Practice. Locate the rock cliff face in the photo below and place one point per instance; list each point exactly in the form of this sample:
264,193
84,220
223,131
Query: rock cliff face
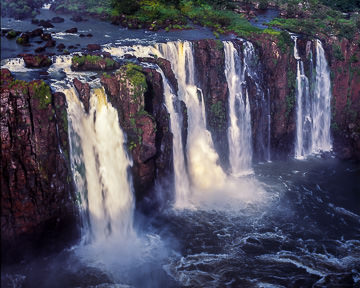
37,200
344,60
210,62
137,94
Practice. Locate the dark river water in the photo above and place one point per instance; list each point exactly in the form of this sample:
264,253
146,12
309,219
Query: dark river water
305,232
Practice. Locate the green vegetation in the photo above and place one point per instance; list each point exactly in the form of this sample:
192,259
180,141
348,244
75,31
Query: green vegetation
338,53
218,118
318,17
11,34
91,59
135,75
21,8
42,92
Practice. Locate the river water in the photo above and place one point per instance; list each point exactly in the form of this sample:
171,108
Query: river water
303,231
293,223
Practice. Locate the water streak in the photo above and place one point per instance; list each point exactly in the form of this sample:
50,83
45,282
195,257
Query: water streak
239,131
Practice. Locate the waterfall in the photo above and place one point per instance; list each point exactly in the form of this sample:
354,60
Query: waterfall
239,131
204,172
303,109
182,183
321,106
99,164
313,111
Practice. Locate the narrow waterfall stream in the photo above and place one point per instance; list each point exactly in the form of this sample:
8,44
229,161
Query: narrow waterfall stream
313,107
239,131
321,105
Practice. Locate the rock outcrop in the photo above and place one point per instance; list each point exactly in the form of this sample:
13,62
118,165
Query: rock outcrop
37,201
145,121
93,63
36,61
83,90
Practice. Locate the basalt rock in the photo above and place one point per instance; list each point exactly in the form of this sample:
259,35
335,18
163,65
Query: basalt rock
23,39
50,43
344,61
36,61
137,94
37,32
280,78
37,196
83,90
71,30
57,19
45,24
209,62
165,66
93,47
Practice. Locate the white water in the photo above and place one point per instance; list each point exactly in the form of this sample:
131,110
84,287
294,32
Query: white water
204,172
182,183
321,106
313,110
303,106
239,131
99,164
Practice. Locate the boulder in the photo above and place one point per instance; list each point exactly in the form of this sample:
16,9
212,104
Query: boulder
93,47
57,19
45,24
36,61
71,30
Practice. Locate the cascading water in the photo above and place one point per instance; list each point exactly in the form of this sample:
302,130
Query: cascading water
321,106
313,111
182,183
97,151
303,109
202,158
239,131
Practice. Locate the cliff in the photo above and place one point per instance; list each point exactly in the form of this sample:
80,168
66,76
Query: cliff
37,196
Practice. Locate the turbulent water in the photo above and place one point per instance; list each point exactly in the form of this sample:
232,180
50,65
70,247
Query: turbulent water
313,112
288,224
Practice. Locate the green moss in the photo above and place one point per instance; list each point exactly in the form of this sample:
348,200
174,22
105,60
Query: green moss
135,75
218,118
219,45
338,53
43,93
11,34
21,41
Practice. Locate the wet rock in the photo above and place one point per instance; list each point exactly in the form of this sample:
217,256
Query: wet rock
46,36
37,32
50,43
165,66
89,35
61,46
83,90
40,49
45,24
71,47
35,21
36,61
93,47
71,30
77,18
23,39
57,19
12,34
81,35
